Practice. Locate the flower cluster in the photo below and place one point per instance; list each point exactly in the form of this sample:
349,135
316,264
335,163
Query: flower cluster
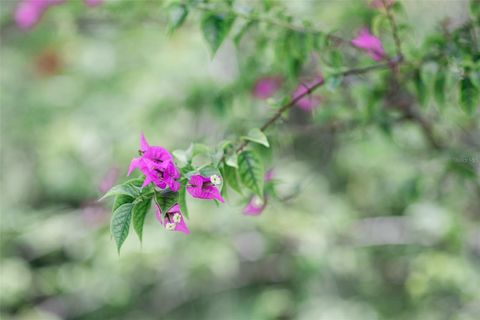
158,167
29,12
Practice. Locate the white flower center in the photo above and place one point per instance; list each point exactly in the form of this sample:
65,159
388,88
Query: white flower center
215,179
170,226
257,201
177,218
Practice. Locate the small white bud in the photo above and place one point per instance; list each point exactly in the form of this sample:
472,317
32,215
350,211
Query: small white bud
177,218
258,202
170,226
215,179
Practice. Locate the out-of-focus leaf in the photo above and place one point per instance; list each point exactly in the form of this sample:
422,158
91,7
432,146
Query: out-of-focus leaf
140,210
215,29
420,88
439,87
120,223
468,95
251,171
177,13
257,136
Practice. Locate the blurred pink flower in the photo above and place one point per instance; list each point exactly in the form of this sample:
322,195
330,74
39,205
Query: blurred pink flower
204,187
173,220
108,180
266,87
29,12
156,163
378,4
370,44
310,101
256,205
93,3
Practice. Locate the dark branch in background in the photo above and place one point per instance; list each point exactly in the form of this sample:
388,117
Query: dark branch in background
316,85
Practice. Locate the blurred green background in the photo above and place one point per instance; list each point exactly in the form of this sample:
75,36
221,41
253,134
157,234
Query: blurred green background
378,230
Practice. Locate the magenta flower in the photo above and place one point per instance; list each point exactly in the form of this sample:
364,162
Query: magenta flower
156,163
310,101
266,87
370,44
256,205
29,12
93,3
378,4
204,188
173,220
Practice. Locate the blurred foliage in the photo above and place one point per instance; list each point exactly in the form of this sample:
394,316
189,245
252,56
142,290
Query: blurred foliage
377,209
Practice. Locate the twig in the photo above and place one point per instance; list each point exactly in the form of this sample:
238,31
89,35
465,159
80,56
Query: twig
315,86
391,19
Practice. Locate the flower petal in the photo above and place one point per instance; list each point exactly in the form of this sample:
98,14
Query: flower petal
143,143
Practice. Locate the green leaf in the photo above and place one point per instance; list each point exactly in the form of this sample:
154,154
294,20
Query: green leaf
121,199
257,136
140,210
420,88
182,201
215,28
230,177
166,200
439,87
232,160
468,96
120,223
130,188
209,171
177,14
251,171
378,24
475,9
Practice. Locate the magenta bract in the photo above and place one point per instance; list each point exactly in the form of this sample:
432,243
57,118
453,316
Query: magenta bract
173,220
266,87
310,101
156,163
202,188
370,44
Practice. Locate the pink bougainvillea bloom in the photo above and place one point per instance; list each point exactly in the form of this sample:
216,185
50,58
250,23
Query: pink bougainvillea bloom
173,220
310,101
255,206
156,163
93,3
268,176
378,4
29,12
370,44
266,87
204,187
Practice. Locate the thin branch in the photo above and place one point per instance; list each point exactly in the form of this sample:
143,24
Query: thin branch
393,23
316,85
